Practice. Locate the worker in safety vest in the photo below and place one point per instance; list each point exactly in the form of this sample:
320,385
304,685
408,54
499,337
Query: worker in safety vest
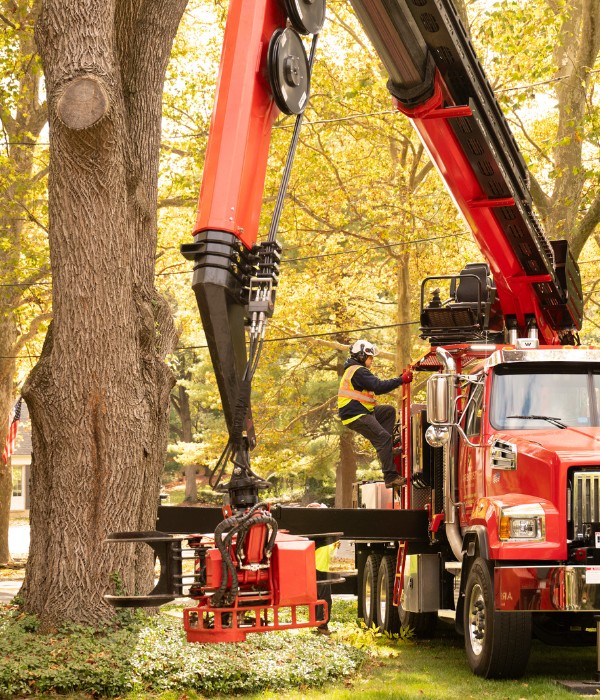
358,408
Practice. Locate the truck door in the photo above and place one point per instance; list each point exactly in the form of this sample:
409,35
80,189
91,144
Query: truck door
470,459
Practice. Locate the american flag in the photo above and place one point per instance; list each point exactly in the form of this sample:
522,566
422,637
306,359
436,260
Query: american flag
11,438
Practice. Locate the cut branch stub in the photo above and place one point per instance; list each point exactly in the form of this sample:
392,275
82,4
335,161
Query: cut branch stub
83,103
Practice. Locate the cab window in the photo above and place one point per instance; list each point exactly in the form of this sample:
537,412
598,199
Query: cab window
474,409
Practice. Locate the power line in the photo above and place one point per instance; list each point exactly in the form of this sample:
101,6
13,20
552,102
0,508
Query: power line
313,335
356,251
281,339
356,115
285,260
267,340
543,82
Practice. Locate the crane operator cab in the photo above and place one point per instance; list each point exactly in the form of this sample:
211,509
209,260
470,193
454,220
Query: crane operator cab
470,313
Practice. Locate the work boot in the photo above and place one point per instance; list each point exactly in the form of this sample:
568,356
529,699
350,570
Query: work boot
393,482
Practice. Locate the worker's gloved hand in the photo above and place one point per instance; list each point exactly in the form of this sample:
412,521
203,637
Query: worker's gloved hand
407,377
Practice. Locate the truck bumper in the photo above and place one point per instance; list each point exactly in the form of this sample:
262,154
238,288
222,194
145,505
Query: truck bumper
547,588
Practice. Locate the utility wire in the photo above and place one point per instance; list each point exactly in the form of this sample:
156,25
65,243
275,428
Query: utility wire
271,340
358,115
356,251
284,260
313,335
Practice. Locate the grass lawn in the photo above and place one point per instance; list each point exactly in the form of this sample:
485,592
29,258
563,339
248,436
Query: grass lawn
437,669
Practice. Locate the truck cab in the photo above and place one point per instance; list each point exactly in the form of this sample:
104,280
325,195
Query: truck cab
505,458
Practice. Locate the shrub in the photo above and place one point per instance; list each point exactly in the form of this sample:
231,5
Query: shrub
151,654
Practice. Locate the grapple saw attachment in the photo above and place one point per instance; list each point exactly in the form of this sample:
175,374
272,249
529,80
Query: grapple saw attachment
246,577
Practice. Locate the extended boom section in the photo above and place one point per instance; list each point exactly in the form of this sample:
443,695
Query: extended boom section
437,81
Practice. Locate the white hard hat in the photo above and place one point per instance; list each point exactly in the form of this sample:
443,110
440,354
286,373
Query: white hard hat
364,348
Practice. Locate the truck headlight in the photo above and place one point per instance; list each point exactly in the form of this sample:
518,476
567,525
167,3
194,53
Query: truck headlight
523,523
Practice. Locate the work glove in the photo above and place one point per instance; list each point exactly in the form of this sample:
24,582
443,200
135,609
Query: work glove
407,377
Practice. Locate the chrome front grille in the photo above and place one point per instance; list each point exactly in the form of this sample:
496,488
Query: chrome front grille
586,501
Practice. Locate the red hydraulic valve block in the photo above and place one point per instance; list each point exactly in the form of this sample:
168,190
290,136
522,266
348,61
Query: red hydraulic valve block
274,595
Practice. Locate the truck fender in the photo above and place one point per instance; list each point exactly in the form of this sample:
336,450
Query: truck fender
475,544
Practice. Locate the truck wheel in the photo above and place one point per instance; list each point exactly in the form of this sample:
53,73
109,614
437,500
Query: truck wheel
387,614
497,644
369,588
422,624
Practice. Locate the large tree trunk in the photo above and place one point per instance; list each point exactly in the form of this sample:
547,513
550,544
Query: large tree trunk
185,415
99,395
575,56
403,314
346,471
345,474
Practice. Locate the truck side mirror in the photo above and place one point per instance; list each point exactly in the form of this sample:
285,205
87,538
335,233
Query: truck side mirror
440,399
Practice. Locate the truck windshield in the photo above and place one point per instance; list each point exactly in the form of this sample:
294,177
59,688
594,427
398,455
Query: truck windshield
545,399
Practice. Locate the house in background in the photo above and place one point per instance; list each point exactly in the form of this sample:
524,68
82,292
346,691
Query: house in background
21,463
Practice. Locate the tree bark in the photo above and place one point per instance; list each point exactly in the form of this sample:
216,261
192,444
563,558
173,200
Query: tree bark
346,471
191,489
345,474
99,395
403,314
572,209
575,57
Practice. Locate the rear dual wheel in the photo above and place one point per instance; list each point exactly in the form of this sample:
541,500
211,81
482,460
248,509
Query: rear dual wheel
369,589
378,600
387,612
378,592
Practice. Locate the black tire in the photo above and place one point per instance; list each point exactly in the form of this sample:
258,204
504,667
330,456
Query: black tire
386,612
369,588
422,624
497,644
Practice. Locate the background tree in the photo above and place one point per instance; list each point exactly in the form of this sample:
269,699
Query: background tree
543,60
98,397
23,264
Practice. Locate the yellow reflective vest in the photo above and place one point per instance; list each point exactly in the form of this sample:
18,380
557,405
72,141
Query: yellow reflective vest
347,393
323,556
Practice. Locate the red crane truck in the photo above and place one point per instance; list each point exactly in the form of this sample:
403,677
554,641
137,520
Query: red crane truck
499,519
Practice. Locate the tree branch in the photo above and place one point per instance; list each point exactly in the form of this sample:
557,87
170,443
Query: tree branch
7,21
540,198
586,227
177,202
525,133
39,274
310,412
40,175
31,216
588,296
31,333
176,151
38,120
